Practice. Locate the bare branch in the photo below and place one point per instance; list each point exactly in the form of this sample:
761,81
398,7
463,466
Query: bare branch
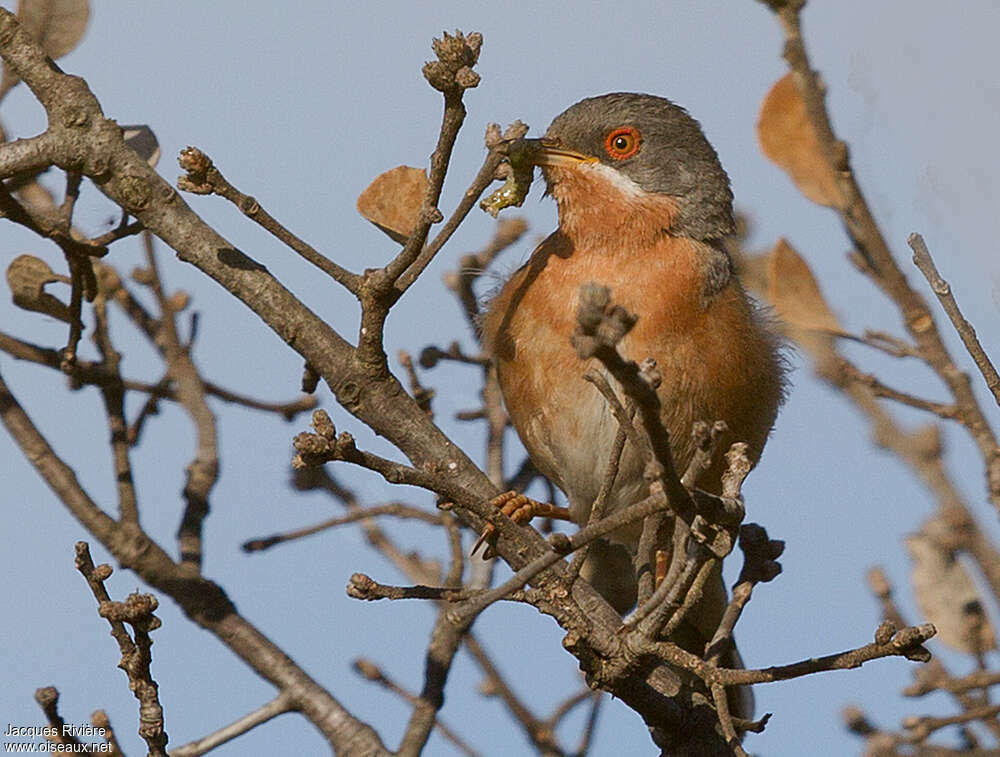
277,706
204,178
472,266
874,253
202,600
395,509
137,610
922,259
203,471
372,672
48,699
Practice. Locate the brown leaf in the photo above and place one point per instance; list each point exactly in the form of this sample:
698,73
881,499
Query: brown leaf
788,139
795,294
27,277
393,201
946,593
57,25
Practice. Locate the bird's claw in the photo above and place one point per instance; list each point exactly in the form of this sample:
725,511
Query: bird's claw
521,510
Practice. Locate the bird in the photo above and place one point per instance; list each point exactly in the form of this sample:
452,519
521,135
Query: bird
644,207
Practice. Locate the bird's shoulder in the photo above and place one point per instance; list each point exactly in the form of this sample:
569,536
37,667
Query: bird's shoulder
667,282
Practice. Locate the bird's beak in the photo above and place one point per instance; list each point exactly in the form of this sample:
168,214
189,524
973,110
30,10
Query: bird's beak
544,152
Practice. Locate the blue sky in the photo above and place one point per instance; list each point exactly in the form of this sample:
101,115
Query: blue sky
302,107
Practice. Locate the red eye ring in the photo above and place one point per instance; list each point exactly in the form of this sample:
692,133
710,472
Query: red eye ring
622,142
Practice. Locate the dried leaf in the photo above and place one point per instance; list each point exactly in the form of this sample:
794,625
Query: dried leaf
946,593
787,138
795,294
57,25
27,277
393,201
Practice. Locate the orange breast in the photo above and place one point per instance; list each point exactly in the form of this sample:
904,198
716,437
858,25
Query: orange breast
718,359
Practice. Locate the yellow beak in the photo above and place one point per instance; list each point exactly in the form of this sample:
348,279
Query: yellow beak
541,152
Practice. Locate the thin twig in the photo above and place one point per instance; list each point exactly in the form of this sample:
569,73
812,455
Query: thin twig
372,672
203,470
878,262
394,509
204,178
907,642
364,587
94,373
48,699
137,610
540,733
922,259
879,389
113,393
277,706
472,266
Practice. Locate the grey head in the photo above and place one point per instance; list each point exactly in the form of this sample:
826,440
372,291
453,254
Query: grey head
661,148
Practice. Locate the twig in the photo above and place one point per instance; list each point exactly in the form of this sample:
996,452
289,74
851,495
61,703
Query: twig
539,732
203,470
664,621
601,325
395,509
879,263
68,363
422,395
277,706
407,562
879,389
204,178
48,699
920,727
721,701
760,565
922,259
935,670
925,684
372,672
121,232
472,266
73,179
99,719
364,587
588,732
94,373
113,393
907,642
137,610
451,74
482,180
381,288
879,340
562,545
326,445
607,483
430,356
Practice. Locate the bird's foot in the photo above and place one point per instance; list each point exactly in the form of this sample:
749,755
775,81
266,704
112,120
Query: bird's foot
521,510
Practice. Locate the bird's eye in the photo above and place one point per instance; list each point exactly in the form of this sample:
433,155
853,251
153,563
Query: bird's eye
622,143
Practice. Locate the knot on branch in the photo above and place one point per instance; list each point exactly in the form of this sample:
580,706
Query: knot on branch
368,669
909,642
600,323
137,610
362,586
198,165
452,72
322,446
511,136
